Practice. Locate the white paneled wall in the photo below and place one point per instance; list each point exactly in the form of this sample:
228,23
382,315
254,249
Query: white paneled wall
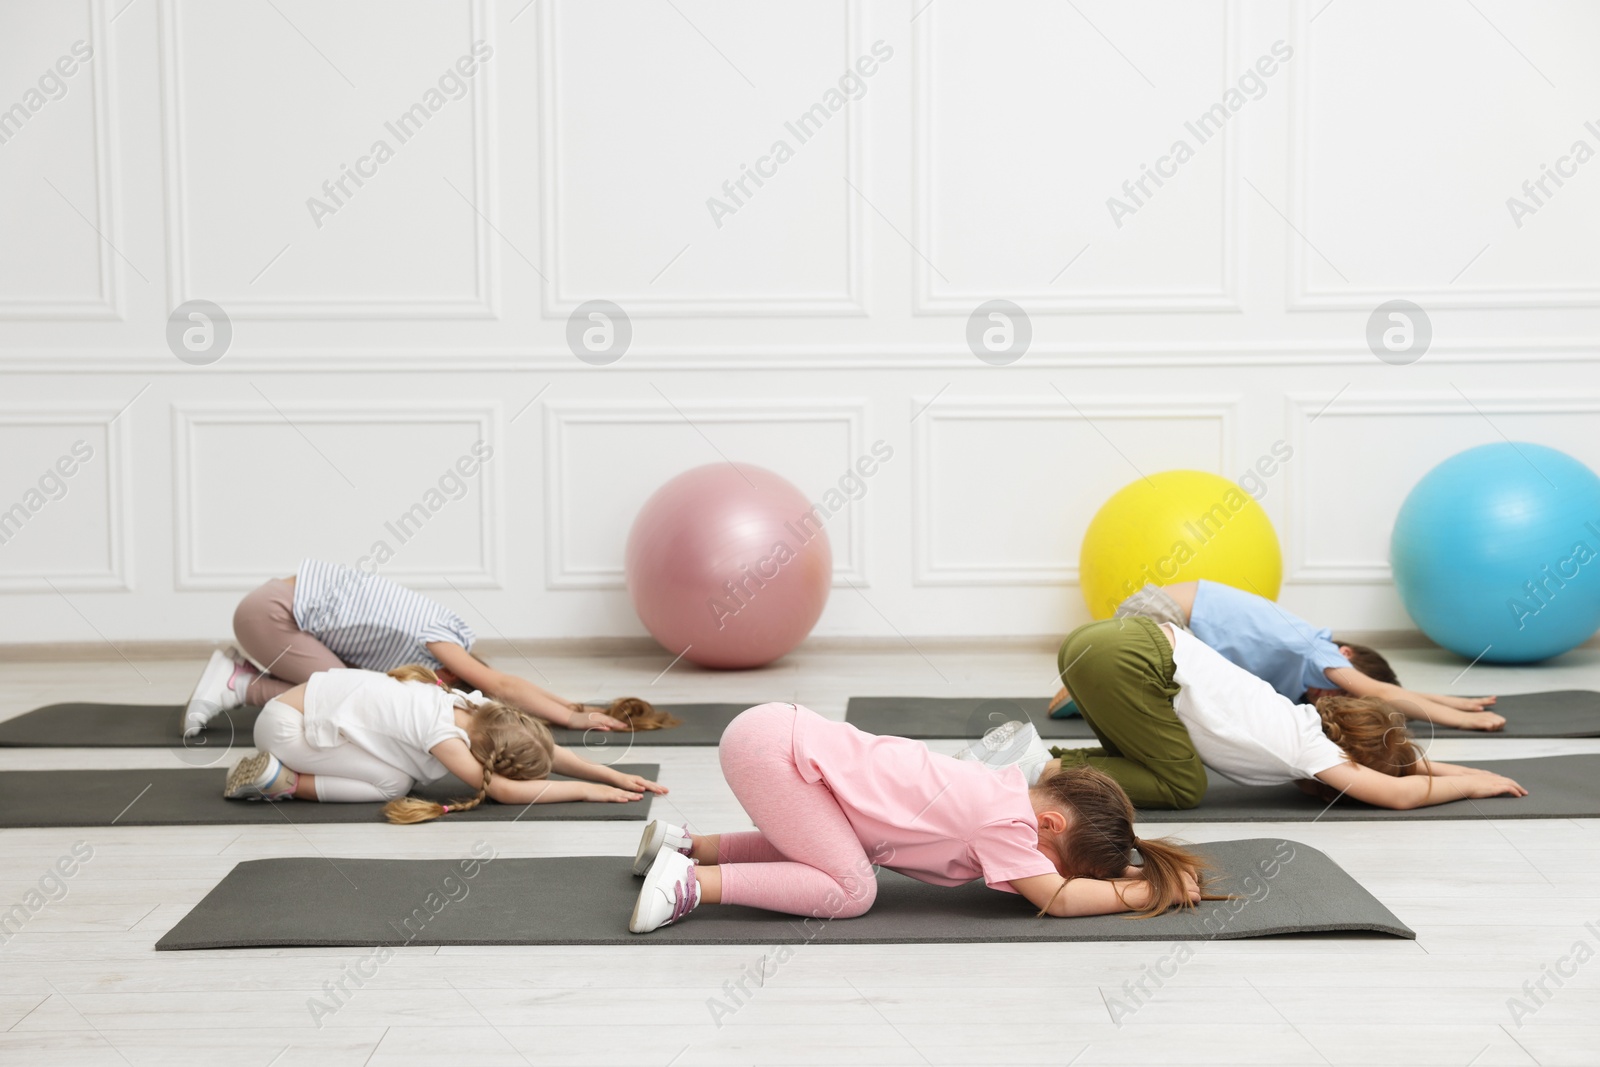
398,204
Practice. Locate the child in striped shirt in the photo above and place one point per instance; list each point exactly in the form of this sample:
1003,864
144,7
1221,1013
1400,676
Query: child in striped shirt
328,616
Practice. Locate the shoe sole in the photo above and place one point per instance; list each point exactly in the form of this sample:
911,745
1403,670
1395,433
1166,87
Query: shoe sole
215,676
649,844
244,776
633,920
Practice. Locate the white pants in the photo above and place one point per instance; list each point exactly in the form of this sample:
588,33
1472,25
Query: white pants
346,773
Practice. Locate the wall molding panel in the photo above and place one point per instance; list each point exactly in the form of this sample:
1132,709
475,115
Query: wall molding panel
1411,409
107,303
483,303
1452,294
189,422
1046,299
558,302
118,576
930,570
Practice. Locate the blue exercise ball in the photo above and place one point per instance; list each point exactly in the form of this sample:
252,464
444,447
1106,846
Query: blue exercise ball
1496,553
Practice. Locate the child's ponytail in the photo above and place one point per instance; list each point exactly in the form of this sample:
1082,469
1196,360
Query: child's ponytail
1165,864
639,715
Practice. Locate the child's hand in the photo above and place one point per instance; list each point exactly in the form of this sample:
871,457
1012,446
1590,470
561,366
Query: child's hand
637,784
1480,720
1466,703
608,794
594,719
1489,784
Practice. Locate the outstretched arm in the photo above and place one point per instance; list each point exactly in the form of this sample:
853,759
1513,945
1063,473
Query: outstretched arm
572,765
1068,897
518,692
1417,790
1415,705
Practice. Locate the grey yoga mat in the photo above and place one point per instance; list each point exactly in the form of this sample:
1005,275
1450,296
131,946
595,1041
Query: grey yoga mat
1559,787
1560,713
156,726
966,718
1280,887
172,797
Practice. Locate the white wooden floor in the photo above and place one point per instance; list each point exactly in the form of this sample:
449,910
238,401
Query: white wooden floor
1494,905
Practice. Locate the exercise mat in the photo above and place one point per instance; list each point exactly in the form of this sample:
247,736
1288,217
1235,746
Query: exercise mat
158,726
1558,713
1279,887
1559,787
188,797
966,718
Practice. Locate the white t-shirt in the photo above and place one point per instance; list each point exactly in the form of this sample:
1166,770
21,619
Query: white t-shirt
396,721
1242,727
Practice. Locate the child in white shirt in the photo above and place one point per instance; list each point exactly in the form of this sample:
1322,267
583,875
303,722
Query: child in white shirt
350,736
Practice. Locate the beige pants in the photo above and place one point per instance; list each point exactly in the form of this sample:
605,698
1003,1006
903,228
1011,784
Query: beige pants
265,628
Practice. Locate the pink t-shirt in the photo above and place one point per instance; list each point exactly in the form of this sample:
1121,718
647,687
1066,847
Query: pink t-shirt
935,818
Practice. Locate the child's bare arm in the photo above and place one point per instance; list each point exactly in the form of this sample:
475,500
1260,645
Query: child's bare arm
544,791
1415,790
1462,703
516,691
573,765
1087,896
1415,705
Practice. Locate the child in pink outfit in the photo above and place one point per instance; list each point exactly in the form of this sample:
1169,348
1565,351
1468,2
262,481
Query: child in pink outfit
831,802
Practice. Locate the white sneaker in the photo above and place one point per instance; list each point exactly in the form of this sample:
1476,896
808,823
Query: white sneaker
259,777
670,892
1013,743
219,689
656,836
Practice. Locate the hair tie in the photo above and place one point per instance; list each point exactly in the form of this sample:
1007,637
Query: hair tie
444,809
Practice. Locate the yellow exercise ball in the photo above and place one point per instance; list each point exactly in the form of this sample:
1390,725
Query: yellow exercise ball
1177,526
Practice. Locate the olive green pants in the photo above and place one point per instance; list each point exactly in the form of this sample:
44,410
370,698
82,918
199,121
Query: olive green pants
1120,672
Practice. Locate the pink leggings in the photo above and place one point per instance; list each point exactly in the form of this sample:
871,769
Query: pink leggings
264,625
804,858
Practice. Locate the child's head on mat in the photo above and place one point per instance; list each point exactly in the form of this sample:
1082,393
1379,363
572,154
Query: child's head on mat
1364,658
1091,819
504,740
1372,733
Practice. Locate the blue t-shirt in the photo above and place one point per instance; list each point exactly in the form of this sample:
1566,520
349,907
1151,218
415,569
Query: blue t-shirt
1254,633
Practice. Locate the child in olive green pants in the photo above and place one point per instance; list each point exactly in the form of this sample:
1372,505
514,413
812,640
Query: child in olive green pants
1120,671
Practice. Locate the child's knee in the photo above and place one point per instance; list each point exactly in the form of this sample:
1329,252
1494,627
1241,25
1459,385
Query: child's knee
277,728
1189,788
854,897
396,785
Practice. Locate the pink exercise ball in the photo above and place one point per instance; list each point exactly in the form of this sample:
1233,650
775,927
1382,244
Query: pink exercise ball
728,565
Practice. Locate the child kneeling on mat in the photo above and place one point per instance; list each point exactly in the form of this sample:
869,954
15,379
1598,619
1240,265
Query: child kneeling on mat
353,736
328,616
830,802
1165,706
1301,662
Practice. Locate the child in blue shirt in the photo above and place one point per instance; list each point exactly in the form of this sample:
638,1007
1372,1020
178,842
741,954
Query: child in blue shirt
1300,661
